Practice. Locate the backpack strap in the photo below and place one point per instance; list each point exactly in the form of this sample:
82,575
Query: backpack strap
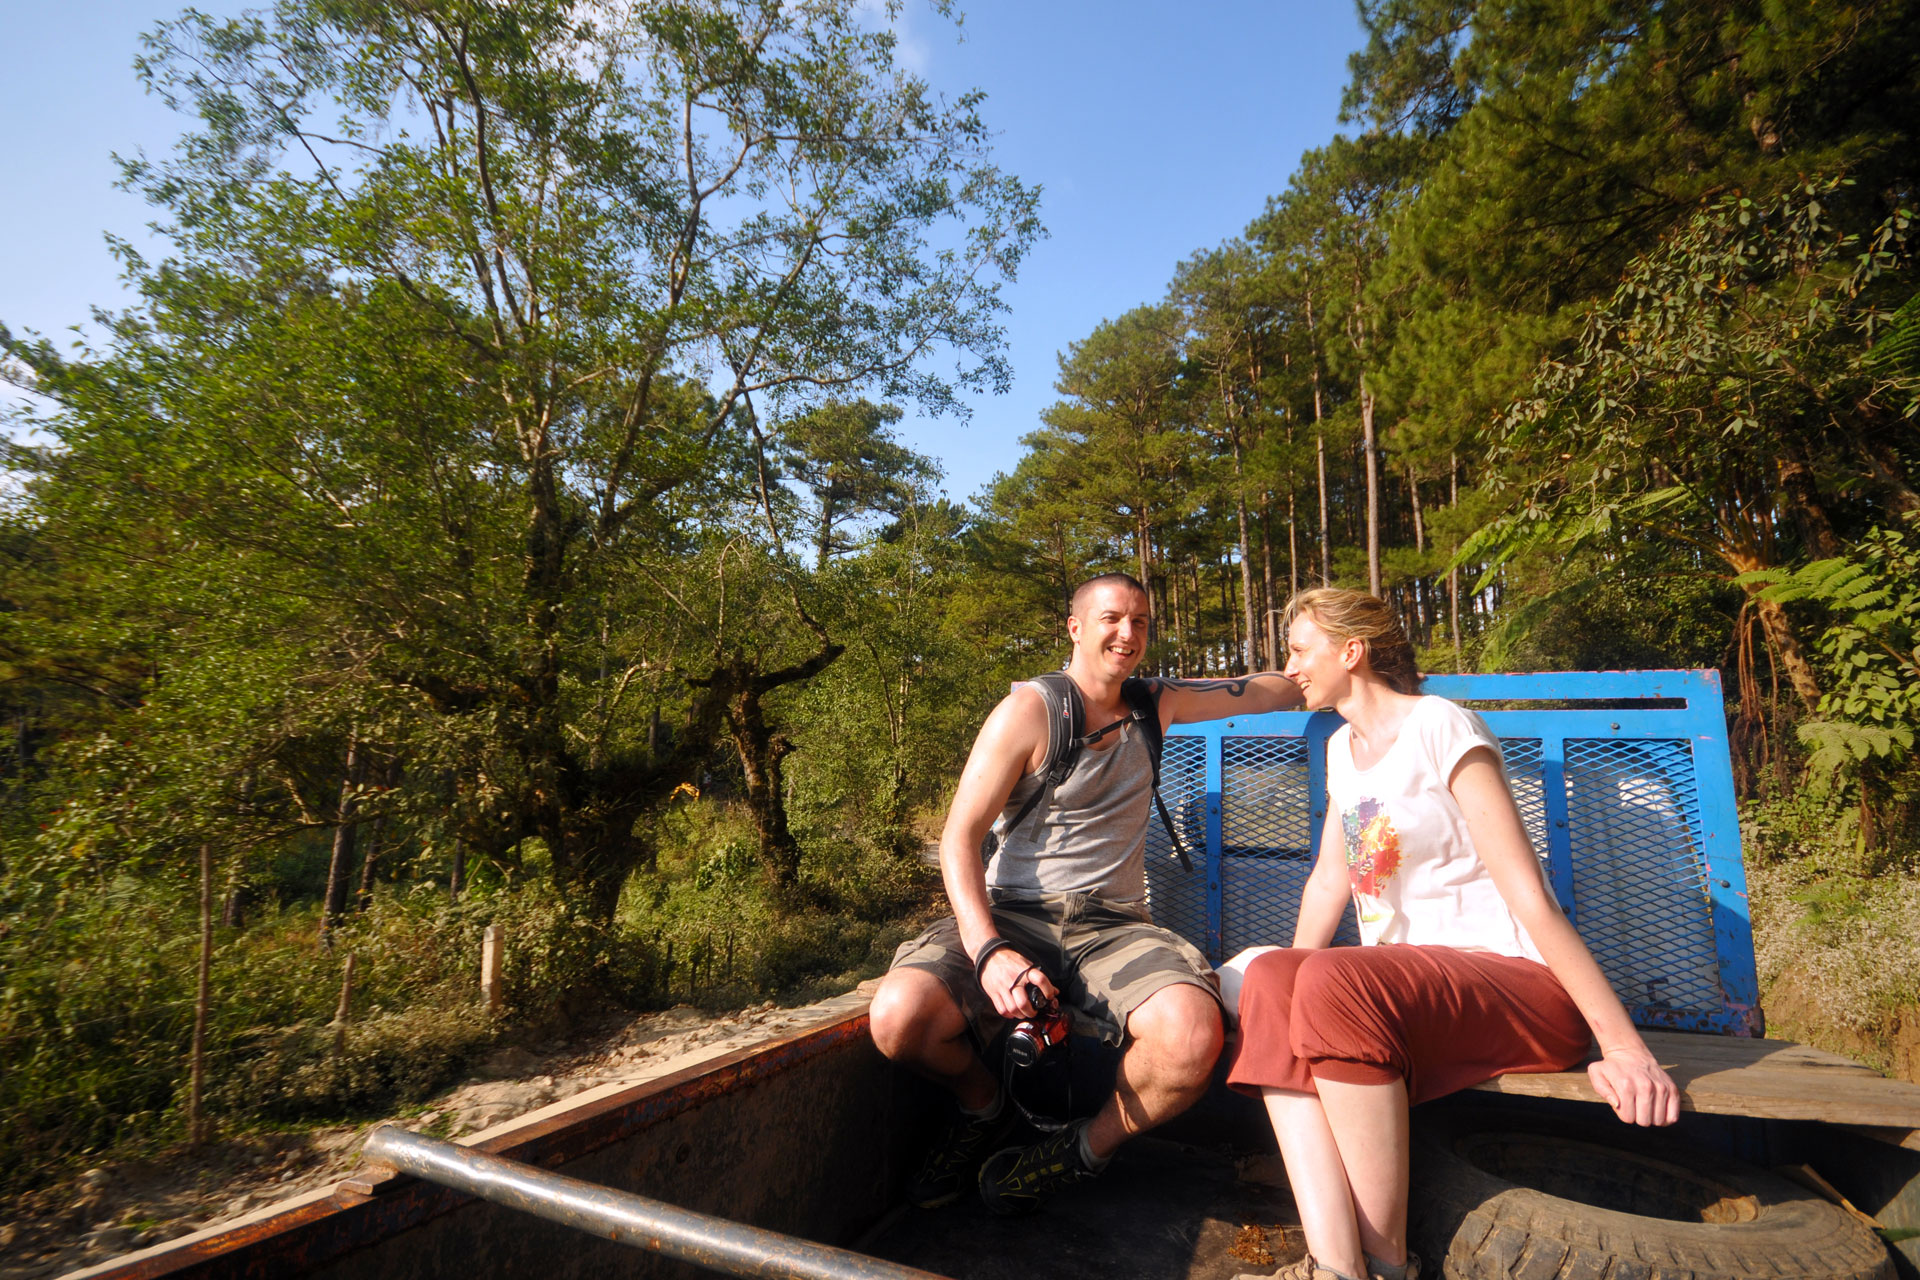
1066,723
1139,695
1066,731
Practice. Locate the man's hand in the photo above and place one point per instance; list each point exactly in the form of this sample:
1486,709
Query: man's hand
1633,1083
1005,979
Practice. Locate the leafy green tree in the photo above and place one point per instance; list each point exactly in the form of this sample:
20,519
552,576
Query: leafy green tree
1122,413
469,309
846,456
1330,230
1227,297
1862,739
1566,140
1698,395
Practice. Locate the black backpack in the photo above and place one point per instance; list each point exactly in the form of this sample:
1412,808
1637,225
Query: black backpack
1067,734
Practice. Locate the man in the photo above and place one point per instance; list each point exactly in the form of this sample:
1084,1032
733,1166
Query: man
1068,879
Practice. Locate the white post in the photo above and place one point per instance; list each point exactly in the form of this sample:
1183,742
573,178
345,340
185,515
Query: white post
492,946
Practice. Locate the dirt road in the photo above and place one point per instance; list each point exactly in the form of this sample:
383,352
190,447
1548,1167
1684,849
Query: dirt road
117,1208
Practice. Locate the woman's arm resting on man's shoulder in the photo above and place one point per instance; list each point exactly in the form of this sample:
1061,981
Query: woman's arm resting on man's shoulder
1627,1075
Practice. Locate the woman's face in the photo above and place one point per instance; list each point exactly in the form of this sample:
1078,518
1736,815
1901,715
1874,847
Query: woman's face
1316,663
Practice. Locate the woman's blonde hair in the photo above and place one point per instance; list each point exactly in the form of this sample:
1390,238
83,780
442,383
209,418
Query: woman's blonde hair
1354,615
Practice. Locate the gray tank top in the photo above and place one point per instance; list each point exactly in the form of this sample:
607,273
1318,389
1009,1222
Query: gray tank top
1092,838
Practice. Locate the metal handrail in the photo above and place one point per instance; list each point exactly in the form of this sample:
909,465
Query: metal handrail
702,1239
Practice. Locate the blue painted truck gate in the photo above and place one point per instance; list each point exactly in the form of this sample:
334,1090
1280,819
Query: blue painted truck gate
1630,808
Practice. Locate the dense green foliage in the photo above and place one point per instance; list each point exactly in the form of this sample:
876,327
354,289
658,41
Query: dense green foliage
491,512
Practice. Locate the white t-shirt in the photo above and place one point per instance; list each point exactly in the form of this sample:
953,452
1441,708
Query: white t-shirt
1410,860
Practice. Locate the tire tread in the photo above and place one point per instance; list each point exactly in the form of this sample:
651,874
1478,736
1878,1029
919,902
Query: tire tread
1485,1228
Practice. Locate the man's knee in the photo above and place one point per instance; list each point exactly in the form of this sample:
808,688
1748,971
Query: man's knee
1180,1026
911,1011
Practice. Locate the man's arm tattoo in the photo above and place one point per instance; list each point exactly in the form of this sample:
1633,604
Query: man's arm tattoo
1232,688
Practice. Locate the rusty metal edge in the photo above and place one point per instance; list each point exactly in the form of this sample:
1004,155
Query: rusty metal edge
356,1217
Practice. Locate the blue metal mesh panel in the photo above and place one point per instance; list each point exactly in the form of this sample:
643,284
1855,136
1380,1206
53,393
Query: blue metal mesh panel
1524,776
1267,842
1640,890
1266,845
1261,899
1264,805
1176,897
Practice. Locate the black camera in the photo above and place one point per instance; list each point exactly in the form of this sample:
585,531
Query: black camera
1030,1038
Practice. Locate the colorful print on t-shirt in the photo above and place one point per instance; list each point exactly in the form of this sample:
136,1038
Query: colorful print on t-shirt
1373,846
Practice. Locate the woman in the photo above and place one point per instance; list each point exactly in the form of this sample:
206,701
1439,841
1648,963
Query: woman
1467,968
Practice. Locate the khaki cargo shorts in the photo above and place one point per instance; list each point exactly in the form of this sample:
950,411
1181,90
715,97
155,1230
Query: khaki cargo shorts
1106,958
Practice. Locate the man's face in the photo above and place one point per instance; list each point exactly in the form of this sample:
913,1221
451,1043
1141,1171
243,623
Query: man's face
1110,628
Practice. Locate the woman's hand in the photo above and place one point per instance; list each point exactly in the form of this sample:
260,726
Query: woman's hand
1632,1082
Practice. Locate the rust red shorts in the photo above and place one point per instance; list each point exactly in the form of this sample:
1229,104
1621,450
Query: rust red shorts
1438,1018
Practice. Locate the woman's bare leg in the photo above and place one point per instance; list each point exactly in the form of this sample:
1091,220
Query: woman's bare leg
1318,1176
1369,1124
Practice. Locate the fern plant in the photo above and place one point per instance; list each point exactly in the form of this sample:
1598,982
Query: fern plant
1869,714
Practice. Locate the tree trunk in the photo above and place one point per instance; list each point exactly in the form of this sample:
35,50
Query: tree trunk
1268,617
363,892
202,1001
1780,633
340,866
1252,634
1802,491
1204,662
1142,535
761,753
1320,452
233,910
739,690
1892,477
1453,574
1231,607
1177,619
1371,449
1419,524
1293,546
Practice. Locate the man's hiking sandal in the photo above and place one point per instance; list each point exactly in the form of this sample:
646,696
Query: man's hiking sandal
950,1166
1020,1179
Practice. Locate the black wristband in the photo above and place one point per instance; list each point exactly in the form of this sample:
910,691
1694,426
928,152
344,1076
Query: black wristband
986,953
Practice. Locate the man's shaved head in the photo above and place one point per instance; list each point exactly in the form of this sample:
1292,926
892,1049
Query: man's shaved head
1083,592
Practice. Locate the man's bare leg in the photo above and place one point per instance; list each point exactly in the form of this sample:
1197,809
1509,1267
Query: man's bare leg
1174,1038
916,1023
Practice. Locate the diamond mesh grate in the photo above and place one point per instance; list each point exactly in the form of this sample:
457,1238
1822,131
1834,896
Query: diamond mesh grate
1265,806
1266,839
1526,776
1267,845
1639,880
1176,897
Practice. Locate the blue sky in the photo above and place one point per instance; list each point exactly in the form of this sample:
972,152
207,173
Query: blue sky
1156,130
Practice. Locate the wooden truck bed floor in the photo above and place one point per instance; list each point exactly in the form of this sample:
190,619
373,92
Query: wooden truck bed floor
1160,1209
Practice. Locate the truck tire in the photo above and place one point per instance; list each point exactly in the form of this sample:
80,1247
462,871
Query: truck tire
1501,1196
